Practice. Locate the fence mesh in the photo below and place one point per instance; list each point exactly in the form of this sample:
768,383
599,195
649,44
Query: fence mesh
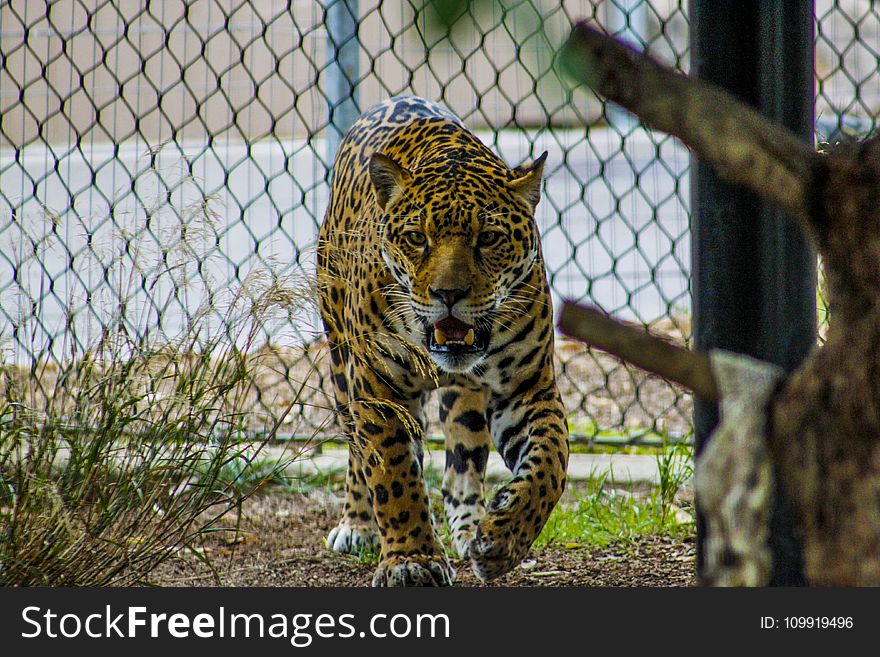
155,157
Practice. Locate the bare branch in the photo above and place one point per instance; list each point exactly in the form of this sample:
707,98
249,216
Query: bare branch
634,345
741,145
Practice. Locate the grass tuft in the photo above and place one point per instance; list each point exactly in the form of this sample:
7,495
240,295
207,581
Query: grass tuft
121,454
602,513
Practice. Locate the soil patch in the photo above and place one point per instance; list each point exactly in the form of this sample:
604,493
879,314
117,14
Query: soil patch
278,540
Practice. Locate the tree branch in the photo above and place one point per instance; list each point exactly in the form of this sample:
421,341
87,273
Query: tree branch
634,345
739,143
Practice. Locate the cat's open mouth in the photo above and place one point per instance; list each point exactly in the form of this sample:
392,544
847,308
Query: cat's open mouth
453,336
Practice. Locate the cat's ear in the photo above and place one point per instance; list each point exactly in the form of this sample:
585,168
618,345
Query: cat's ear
528,180
388,177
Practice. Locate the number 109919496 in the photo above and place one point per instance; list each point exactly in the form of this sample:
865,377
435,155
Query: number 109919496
807,622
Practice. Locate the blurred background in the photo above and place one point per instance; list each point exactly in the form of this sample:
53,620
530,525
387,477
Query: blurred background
155,155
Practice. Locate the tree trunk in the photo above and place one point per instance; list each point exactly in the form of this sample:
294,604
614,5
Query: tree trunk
823,421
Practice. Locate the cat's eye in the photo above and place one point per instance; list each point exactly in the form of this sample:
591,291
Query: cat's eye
488,238
416,238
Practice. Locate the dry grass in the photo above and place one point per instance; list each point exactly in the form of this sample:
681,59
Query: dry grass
112,460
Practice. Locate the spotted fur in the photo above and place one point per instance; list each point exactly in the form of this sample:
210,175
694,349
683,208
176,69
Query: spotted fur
431,276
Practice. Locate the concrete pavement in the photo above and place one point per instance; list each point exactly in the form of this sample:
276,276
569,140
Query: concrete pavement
618,468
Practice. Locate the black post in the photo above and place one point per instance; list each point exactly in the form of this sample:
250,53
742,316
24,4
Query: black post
342,72
753,273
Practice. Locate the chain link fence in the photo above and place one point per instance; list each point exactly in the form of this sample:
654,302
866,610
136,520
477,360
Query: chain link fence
154,156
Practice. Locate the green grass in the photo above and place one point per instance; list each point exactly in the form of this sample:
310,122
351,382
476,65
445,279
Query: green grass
675,466
322,479
433,476
247,474
598,513
366,556
642,440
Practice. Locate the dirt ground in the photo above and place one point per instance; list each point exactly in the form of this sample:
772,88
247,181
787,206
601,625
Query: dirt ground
279,542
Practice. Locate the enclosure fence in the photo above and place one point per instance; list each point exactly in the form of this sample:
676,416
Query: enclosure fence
160,159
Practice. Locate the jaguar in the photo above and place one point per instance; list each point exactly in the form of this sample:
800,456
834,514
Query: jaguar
431,277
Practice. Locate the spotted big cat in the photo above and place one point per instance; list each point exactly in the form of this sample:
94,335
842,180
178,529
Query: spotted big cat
430,277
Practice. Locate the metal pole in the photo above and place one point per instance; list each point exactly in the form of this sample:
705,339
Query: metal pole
343,71
753,273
